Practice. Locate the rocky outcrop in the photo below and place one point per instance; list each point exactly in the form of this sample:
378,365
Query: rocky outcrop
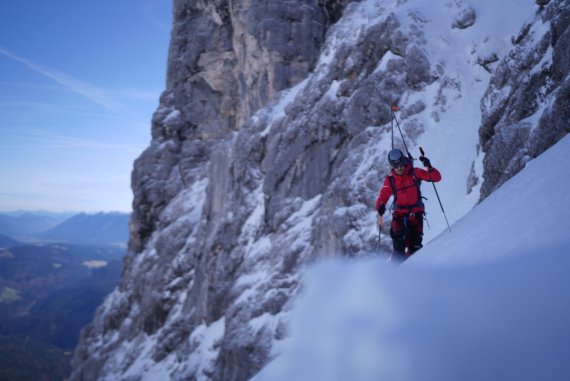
527,106
267,151
226,61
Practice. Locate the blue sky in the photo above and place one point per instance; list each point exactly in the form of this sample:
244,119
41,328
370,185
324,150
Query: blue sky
79,81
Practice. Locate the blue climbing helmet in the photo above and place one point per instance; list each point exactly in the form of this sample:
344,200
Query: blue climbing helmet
396,158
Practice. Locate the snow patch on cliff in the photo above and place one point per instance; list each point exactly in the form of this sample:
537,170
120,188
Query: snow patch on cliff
488,301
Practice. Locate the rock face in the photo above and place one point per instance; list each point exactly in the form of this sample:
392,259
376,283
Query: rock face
227,59
527,106
191,203
267,151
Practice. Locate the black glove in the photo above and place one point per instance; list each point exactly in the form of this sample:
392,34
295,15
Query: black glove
425,161
382,209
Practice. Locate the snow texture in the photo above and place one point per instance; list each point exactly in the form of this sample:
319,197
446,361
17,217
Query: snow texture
268,152
488,301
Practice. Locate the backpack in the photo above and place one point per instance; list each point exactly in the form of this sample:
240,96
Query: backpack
417,184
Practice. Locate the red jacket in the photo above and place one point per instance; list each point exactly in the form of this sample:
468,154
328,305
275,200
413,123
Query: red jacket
407,200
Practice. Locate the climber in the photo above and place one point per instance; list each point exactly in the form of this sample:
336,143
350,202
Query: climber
408,208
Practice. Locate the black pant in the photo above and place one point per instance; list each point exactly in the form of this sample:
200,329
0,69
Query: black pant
407,233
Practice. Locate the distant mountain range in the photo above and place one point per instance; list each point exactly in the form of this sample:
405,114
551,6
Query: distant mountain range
48,293
100,228
55,269
6,242
82,228
27,224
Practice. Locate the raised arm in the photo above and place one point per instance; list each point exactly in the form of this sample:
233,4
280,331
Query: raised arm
431,175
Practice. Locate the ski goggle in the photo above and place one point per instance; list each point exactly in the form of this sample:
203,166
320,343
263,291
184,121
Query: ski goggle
398,165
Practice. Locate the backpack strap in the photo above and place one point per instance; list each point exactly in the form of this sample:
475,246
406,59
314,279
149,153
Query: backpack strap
417,183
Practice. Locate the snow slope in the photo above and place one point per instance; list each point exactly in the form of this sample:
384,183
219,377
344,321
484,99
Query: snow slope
221,235
452,116
489,301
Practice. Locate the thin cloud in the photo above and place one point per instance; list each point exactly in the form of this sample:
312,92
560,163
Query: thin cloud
48,139
59,109
88,91
127,116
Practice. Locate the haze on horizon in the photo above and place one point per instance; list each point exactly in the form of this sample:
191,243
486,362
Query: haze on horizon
78,85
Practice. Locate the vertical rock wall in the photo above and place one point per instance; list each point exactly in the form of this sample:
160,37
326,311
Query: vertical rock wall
227,59
266,148
526,109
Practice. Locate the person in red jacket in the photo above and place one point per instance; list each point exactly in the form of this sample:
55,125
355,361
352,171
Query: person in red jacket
408,208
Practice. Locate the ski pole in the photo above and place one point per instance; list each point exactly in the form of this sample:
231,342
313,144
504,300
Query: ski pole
437,194
393,109
379,232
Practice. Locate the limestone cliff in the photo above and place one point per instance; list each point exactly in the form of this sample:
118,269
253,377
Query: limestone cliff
527,106
268,151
